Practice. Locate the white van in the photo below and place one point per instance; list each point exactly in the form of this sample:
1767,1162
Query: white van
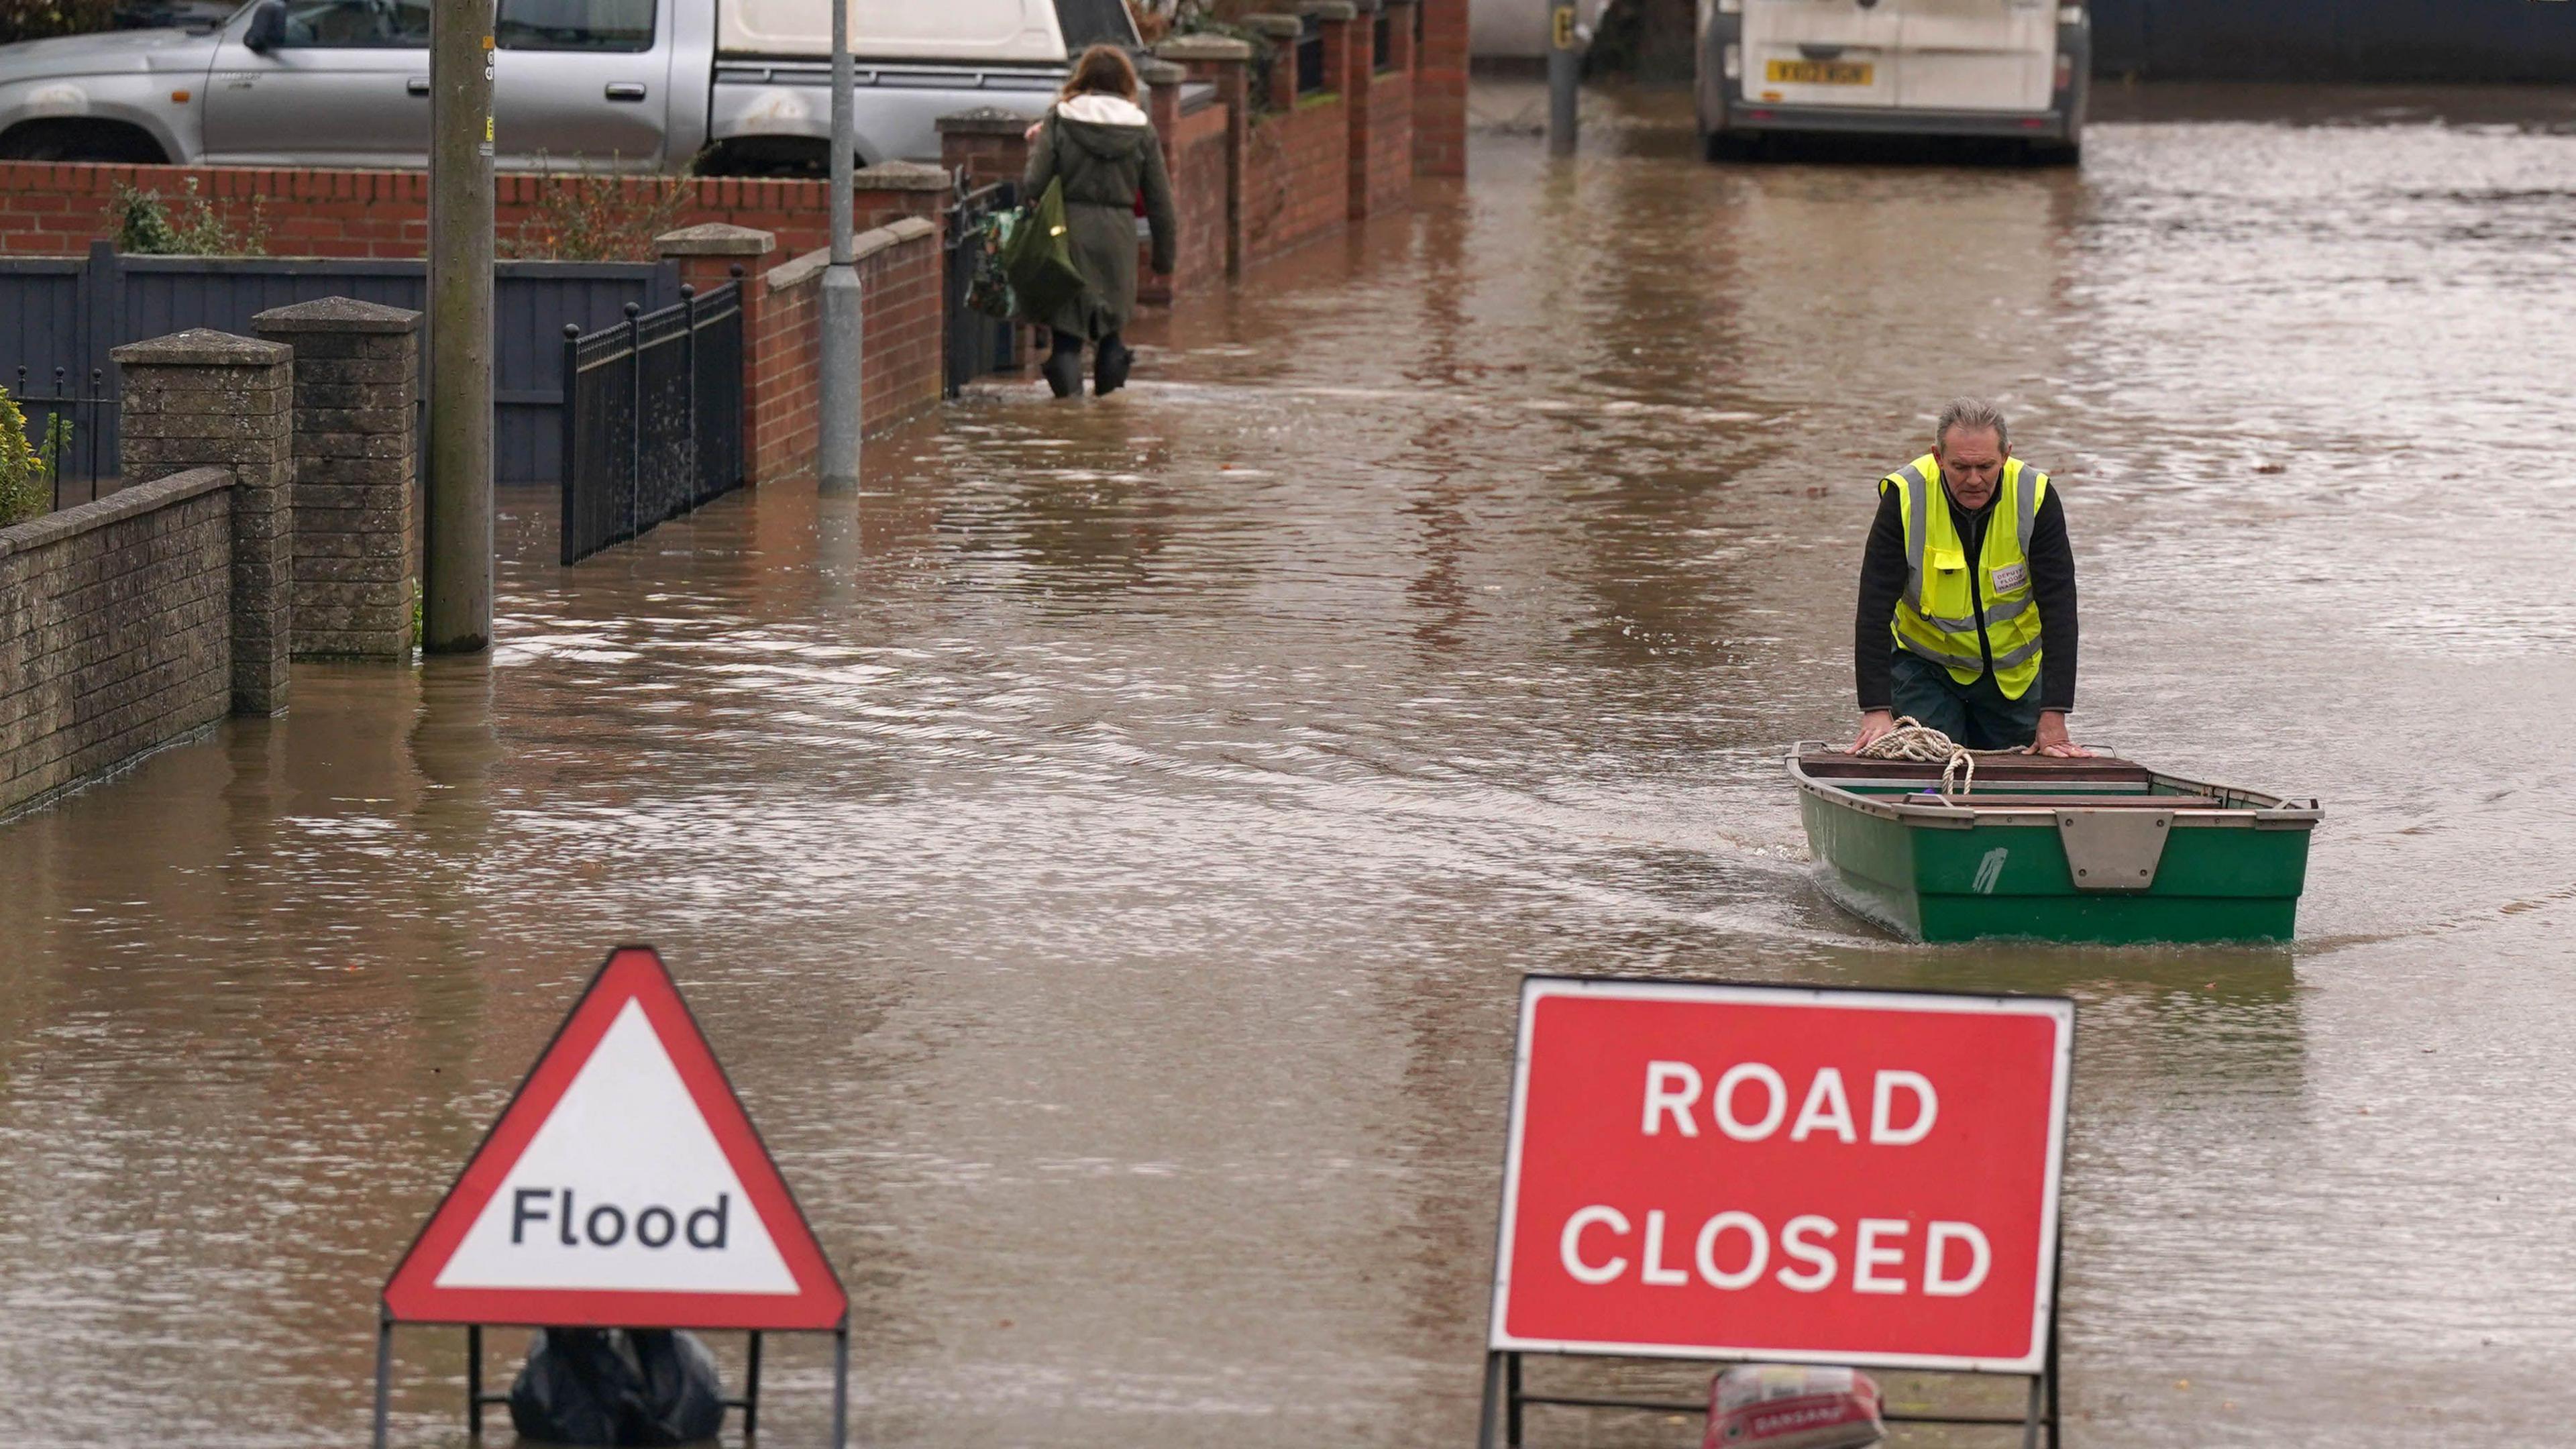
2005,68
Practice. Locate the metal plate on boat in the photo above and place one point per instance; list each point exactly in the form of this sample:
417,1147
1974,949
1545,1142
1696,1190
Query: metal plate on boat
2114,850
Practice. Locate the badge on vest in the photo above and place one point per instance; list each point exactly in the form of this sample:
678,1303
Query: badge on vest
2011,576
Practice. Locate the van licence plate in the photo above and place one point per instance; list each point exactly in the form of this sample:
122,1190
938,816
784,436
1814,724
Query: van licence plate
1819,72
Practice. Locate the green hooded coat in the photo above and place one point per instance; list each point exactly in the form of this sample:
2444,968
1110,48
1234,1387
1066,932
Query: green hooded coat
1105,151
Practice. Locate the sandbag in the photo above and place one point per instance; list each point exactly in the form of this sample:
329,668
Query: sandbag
611,1387
1791,1406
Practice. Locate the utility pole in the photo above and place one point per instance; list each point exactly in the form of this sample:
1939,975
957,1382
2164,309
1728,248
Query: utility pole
456,614
1564,70
842,318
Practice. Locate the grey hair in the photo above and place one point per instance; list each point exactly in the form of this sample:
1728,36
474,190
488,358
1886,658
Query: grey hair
1968,412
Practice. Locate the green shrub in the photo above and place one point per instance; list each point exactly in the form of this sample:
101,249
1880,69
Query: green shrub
26,479
148,226
36,19
594,216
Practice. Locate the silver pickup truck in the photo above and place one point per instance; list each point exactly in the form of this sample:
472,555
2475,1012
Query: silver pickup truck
727,87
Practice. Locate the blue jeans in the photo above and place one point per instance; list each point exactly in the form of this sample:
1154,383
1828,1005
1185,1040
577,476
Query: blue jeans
1976,715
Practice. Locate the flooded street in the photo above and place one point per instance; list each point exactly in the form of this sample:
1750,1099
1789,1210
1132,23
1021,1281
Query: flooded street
1105,851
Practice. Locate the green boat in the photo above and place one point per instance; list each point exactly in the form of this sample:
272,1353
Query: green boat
2095,849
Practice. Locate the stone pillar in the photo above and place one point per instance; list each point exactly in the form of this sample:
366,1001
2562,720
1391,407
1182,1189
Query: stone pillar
357,458
710,255
1359,71
1281,32
892,190
1440,91
199,399
987,144
1226,63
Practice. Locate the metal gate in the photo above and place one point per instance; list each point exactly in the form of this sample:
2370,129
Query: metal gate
653,417
978,342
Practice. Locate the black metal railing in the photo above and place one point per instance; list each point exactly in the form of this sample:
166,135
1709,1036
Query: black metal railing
1381,44
979,343
653,417
1310,56
64,429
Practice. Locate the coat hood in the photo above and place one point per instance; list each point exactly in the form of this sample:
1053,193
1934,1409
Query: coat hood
1109,127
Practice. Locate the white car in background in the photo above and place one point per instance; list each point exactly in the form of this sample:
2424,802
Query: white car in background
2015,69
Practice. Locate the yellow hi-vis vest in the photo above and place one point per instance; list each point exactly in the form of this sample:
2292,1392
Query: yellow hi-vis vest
1937,617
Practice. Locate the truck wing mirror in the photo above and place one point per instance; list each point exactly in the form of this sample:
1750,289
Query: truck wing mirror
267,27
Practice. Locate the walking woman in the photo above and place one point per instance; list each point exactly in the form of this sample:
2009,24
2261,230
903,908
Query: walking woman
1098,142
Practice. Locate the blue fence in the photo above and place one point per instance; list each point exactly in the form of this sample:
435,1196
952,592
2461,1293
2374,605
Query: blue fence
67,312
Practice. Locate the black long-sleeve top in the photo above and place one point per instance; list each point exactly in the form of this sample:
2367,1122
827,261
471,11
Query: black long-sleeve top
1883,577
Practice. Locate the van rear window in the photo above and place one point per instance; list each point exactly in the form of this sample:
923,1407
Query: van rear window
1094,22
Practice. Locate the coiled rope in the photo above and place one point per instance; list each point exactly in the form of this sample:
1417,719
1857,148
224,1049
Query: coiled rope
1914,740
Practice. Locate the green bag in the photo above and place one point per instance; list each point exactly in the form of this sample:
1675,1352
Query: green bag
1039,257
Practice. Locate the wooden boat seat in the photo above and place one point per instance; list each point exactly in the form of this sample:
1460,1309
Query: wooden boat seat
2001,799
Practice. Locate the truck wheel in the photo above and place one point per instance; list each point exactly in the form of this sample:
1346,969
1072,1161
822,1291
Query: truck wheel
64,139
2056,153
1730,146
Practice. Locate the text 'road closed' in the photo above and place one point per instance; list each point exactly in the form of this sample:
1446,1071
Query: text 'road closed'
1838,1176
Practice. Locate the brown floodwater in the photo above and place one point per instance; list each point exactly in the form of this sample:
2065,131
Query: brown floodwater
1104,851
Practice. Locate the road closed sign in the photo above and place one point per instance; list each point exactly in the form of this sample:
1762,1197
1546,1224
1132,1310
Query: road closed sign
1756,1172
622,1187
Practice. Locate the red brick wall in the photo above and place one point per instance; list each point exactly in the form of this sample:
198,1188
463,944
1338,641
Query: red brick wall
1296,185
51,209
902,349
1196,156
1389,178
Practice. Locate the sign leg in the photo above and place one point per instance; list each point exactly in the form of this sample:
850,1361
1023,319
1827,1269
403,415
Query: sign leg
1485,1401
2052,1379
474,1381
841,1385
1512,1400
751,1389
384,1372
2030,1419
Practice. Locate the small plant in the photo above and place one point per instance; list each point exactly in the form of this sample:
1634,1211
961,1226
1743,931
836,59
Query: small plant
597,216
36,19
148,226
26,482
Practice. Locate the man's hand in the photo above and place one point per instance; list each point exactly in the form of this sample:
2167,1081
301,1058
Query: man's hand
1875,725
2052,738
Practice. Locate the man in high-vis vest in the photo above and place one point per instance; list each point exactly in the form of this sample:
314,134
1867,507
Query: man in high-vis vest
1967,595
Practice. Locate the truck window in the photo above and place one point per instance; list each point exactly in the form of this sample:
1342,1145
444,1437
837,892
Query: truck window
1094,22
575,25
357,25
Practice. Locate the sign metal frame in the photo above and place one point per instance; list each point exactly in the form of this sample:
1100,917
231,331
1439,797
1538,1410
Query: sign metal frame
1505,1394
476,1400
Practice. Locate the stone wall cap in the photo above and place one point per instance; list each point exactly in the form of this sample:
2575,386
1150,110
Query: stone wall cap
799,271
1277,27
1329,9
984,121
715,239
336,314
139,498
904,175
201,347
1155,72
1204,47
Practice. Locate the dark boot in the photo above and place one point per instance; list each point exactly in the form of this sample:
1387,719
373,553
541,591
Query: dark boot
1063,367
1110,367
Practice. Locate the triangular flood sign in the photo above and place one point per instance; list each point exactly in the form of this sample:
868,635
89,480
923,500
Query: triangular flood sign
622,1187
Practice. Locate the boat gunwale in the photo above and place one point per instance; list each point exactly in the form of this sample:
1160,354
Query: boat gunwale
2264,811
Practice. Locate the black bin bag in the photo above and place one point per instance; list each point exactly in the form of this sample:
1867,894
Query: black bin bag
644,1387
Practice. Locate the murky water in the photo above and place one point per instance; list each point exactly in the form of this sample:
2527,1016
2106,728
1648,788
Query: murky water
1105,851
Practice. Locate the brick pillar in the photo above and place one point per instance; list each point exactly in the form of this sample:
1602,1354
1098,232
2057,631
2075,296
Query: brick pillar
1440,91
1359,69
1162,81
988,144
357,459
1399,36
1333,18
1226,63
1281,32
199,399
892,190
708,256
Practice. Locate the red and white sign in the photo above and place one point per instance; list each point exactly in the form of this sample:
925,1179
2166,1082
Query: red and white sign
1783,1173
622,1187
